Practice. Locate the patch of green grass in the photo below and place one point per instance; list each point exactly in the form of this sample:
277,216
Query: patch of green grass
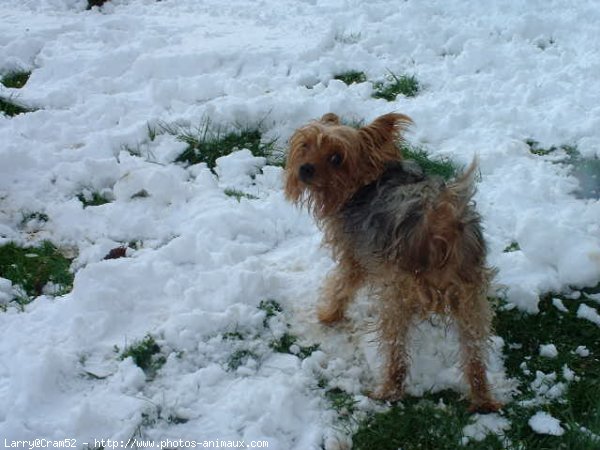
580,400
347,38
423,424
512,247
11,108
351,77
418,423
394,85
287,344
92,199
245,347
207,143
406,85
15,79
443,167
536,149
341,401
437,421
233,336
146,355
32,268
526,332
153,131
239,358
238,195
586,170
270,307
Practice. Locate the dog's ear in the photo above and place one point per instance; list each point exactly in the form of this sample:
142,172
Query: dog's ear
330,119
385,130
292,189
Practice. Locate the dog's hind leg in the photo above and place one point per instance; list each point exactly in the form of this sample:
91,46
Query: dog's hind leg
396,318
473,320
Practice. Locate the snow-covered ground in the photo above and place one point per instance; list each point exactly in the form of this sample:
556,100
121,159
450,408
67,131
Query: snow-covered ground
493,74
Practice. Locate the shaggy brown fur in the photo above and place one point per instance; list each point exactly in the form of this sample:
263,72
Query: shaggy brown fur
414,239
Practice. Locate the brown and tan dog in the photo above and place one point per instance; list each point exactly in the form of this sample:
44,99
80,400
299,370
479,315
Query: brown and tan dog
415,240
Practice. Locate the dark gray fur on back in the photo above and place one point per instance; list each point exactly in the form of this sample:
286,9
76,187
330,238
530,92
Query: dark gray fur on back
381,219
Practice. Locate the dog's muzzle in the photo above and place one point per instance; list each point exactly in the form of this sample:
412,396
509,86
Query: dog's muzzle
306,172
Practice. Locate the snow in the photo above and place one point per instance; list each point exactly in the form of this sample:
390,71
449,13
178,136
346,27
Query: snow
588,313
589,433
568,374
493,75
483,425
543,423
234,169
6,291
558,304
546,387
582,351
548,350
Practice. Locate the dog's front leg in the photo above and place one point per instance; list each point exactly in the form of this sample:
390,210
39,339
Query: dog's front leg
339,290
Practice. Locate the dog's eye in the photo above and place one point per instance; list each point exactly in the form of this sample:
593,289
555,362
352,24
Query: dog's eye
335,159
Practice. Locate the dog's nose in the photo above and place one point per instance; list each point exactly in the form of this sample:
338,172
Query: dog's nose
306,172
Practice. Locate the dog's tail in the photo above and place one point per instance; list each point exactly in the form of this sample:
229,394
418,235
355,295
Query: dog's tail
464,185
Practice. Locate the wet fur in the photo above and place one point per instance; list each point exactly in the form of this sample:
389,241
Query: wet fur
416,240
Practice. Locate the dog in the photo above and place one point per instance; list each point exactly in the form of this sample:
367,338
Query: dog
415,240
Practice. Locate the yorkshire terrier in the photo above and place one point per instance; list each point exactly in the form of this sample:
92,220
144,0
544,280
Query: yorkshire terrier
416,240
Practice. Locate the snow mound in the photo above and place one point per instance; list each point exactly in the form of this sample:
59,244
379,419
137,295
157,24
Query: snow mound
543,423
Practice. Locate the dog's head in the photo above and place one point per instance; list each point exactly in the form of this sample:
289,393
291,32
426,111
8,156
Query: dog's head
328,162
